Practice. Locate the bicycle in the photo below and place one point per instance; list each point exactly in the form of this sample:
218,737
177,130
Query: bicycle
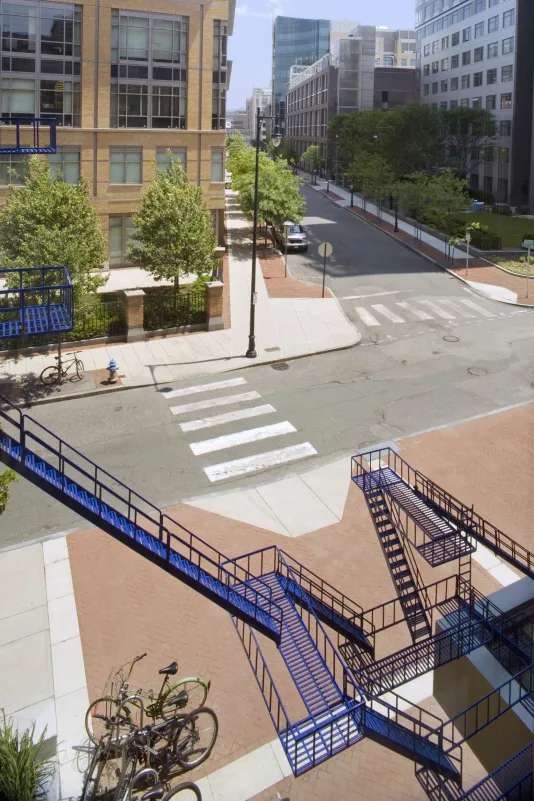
138,791
186,694
55,372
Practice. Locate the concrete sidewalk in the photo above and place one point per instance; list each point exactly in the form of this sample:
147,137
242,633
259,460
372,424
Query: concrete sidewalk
285,328
492,282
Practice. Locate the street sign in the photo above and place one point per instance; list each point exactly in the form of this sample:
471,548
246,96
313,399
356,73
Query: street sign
528,244
325,249
468,237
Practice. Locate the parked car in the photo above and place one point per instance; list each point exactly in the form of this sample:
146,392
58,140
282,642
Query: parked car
296,237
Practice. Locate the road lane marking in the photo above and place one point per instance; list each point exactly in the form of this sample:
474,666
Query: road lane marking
381,309
366,316
239,467
376,294
227,417
445,315
456,308
417,313
241,437
179,393
477,308
226,400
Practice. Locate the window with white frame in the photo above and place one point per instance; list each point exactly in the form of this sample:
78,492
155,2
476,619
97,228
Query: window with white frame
125,165
121,231
217,164
65,161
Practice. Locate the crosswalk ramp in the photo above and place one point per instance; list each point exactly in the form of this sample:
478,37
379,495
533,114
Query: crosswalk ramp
242,422
440,310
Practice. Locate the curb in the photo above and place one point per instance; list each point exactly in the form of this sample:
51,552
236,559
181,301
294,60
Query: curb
470,284
123,388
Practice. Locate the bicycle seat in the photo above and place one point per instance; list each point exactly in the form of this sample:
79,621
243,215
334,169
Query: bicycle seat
156,792
179,700
170,670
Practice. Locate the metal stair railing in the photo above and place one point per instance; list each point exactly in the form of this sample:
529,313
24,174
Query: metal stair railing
390,613
73,469
512,781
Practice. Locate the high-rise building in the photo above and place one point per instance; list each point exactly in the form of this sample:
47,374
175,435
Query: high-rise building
236,121
478,54
395,48
295,41
126,81
260,98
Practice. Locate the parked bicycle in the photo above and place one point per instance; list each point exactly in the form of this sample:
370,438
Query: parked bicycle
146,786
55,372
103,721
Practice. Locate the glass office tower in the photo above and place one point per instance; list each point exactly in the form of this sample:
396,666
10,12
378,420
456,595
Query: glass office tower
295,41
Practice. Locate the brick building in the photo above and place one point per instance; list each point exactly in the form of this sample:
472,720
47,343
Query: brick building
126,80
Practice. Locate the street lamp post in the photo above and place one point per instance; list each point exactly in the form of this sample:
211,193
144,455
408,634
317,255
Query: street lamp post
396,228
251,352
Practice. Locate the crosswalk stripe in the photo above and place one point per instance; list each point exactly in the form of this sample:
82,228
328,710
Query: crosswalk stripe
366,316
226,400
227,417
476,307
417,313
249,464
381,309
179,393
436,309
456,308
241,438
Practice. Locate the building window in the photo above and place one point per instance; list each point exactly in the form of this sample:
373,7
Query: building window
426,50
217,164
493,3
65,161
168,107
505,127
435,67
445,43
18,97
404,62
465,81
478,54
121,230
480,5
508,18
466,58
443,105
444,64
426,69
218,108
454,84
466,35
506,100
61,99
435,46
488,154
444,86
491,102
426,89
493,24
125,165
477,102
491,76
507,73
455,39
454,104
493,50
13,162
455,62
504,155
220,43
477,79
479,30
464,102
177,153
508,46
129,105
435,88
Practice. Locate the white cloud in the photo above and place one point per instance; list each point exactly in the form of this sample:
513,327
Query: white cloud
273,8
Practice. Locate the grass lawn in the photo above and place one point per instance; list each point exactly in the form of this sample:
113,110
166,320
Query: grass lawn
510,229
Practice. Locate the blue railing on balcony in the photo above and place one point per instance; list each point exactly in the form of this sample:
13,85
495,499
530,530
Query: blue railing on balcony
36,300
25,135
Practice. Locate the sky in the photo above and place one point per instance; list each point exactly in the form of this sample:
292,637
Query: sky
251,43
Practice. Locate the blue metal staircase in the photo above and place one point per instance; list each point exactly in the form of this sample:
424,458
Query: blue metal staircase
38,300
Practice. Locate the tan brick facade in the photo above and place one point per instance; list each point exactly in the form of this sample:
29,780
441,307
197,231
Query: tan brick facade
96,136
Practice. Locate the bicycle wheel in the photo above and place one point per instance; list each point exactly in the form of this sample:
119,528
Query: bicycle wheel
126,778
195,737
143,781
99,719
50,375
187,791
100,778
197,692
80,369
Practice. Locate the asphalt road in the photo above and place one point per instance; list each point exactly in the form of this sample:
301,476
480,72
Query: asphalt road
386,290
333,403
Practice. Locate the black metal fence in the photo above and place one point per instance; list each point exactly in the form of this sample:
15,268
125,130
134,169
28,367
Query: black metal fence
167,310
91,321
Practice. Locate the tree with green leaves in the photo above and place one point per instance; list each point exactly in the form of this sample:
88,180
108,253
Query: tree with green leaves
7,477
466,131
279,197
173,233
414,197
49,223
235,142
289,152
312,157
371,174
447,199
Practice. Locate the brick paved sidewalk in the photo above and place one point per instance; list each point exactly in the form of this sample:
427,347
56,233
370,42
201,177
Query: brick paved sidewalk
280,286
127,605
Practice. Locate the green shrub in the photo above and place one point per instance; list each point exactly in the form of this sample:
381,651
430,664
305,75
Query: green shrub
503,209
485,240
522,210
24,772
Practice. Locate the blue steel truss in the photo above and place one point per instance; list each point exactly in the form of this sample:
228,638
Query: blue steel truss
25,136
38,300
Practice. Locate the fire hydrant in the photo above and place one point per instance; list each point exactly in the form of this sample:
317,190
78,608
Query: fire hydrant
113,372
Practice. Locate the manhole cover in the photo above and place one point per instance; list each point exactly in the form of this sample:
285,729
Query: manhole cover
280,366
479,371
451,338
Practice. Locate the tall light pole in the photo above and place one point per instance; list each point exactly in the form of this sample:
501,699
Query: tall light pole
251,352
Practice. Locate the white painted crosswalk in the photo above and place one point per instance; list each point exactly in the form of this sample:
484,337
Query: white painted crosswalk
219,394
422,310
